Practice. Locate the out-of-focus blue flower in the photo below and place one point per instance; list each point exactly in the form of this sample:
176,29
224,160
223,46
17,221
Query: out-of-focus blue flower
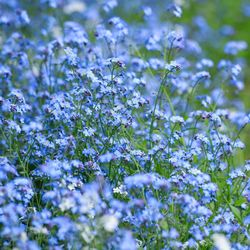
233,47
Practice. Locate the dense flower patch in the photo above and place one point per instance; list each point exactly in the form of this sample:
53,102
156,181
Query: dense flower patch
117,130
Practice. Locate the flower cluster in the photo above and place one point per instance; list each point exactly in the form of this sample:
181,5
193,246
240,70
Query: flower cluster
117,130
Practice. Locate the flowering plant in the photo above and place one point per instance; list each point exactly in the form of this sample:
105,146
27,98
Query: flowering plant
118,131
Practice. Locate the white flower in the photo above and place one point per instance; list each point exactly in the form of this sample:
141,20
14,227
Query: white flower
109,222
66,204
221,242
74,6
120,190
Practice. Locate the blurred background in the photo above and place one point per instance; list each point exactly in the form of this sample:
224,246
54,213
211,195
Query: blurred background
230,19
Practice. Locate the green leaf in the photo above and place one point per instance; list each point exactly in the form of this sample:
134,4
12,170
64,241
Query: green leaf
236,212
164,224
240,201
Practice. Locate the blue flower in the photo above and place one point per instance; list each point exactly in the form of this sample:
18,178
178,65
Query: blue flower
233,47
